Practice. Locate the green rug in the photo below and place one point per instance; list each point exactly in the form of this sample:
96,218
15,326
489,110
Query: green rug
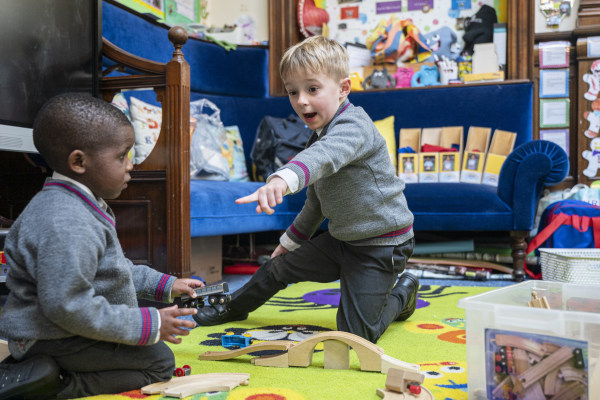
433,337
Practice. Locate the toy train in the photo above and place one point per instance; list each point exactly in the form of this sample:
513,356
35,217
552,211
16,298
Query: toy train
231,341
216,295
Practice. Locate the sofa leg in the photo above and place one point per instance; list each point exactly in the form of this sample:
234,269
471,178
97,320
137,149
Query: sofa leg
518,246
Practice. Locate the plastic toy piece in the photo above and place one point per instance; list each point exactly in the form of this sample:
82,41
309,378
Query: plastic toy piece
231,341
370,356
188,385
538,302
214,293
183,371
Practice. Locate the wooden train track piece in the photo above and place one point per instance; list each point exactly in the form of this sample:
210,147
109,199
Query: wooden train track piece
521,361
538,302
465,263
546,365
371,357
282,345
568,374
199,383
570,391
521,343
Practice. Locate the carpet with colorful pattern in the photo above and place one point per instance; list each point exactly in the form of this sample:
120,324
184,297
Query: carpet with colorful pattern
434,338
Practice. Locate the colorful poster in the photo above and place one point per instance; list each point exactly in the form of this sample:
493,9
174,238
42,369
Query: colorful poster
459,5
424,5
387,7
349,12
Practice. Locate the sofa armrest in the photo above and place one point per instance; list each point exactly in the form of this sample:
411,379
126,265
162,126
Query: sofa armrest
525,173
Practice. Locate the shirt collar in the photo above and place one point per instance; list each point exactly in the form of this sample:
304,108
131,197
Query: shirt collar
82,187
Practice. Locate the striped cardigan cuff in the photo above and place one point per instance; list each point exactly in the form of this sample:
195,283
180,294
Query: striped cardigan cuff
148,322
302,171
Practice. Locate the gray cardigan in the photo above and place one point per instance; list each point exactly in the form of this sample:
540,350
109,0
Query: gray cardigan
352,182
68,274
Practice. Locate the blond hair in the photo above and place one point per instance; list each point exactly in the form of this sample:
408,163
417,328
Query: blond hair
316,54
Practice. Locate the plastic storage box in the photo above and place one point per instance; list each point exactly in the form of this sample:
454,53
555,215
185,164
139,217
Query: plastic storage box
581,266
520,351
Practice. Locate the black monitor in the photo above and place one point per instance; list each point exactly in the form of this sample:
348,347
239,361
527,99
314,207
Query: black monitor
47,47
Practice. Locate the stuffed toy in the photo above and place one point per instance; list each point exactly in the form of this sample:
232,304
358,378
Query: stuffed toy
379,79
593,158
442,43
594,120
311,18
403,76
426,76
479,28
593,80
356,82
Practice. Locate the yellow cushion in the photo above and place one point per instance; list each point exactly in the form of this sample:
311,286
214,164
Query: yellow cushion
386,128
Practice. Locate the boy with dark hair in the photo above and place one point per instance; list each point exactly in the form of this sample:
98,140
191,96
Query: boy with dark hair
72,320
351,181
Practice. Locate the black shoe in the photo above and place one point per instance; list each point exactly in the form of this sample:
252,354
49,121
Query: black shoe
216,315
407,288
35,378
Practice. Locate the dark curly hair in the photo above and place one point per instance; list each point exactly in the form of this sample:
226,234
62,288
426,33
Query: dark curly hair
72,121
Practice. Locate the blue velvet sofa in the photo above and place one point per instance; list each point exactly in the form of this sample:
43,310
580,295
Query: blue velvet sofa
237,82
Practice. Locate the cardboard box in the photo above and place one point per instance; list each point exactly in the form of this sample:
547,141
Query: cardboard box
428,167
408,166
536,343
502,144
207,258
408,163
451,137
478,140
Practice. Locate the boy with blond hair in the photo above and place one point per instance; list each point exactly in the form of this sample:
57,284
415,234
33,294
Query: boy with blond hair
351,181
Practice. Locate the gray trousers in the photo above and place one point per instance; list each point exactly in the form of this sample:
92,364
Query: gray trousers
92,367
366,273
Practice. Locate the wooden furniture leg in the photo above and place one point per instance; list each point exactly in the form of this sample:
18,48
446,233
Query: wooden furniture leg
518,246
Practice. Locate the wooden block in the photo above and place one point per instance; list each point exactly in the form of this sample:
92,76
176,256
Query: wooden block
336,354
277,360
388,362
399,379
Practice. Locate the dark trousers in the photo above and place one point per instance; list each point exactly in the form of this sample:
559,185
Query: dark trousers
367,275
92,367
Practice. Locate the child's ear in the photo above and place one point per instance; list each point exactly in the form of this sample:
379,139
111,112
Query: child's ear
76,162
345,87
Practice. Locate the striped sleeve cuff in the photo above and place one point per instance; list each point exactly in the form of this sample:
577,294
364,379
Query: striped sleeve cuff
163,289
149,332
300,169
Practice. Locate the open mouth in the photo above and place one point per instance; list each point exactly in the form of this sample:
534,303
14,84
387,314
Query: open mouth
309,116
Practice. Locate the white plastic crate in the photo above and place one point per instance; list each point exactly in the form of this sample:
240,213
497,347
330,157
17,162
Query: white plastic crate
581,266
572,321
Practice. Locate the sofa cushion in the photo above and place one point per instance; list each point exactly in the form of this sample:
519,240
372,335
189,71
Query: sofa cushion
214,211
457,207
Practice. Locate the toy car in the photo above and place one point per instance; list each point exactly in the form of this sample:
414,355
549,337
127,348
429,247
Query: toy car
183,371
215,294
231,341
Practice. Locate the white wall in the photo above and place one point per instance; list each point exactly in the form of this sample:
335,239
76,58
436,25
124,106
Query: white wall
225,12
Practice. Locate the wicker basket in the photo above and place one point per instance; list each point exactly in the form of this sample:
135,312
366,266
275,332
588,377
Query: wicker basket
581,266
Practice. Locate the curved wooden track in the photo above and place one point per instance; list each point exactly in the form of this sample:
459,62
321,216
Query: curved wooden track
283,345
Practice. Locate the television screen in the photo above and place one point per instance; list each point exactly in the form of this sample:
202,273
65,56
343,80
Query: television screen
47,47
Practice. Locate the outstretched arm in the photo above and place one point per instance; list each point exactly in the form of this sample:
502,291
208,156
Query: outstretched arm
267,196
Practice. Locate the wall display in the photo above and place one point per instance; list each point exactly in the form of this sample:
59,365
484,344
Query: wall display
558,136
554,54
593,158
593,117
154,7
427,15
593,80
554,113
555,10
554,83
